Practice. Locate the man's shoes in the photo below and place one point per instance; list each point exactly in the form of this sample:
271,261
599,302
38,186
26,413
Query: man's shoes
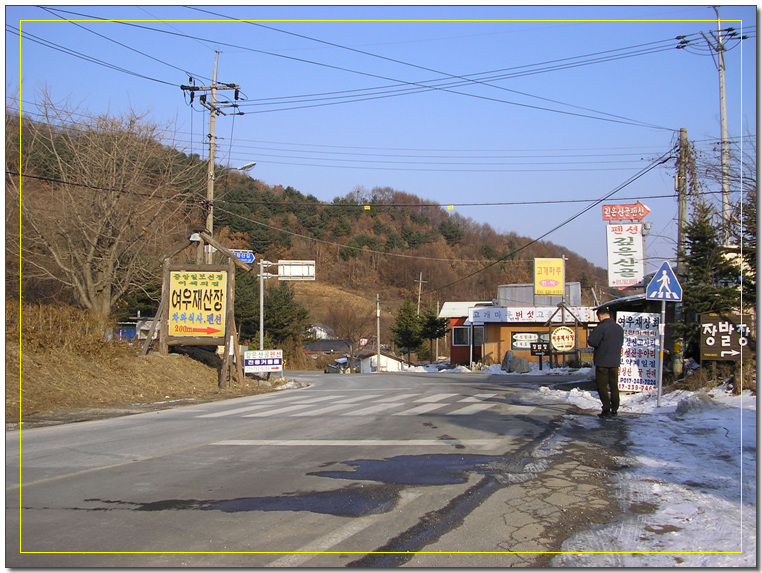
613,413
605,414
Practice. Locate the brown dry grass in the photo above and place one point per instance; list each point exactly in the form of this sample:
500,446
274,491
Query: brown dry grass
52,373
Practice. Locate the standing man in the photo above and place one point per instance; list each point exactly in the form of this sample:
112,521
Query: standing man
607,339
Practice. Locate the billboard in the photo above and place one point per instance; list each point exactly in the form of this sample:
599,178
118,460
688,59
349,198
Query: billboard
549,277
197,303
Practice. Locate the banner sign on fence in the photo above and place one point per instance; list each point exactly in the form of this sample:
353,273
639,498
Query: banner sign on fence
640,352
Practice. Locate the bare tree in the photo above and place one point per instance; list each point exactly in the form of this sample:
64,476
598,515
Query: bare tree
353,322
98,200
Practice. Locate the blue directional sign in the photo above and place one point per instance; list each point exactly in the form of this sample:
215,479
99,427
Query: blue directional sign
244,255
664,286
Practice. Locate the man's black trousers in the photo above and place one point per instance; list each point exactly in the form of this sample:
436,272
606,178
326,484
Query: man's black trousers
607,380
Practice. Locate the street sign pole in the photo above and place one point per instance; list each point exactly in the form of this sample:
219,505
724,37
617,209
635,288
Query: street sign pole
660,371
664,286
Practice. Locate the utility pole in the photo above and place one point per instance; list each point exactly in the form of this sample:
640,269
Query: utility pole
420,282
719,47
378,334
682,202
210,172
682,216
214,111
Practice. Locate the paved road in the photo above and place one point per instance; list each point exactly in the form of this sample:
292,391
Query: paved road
376,470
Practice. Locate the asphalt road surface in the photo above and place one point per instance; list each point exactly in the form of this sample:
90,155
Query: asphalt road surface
359,470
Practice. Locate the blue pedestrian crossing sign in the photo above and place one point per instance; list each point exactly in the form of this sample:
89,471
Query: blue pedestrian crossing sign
664,286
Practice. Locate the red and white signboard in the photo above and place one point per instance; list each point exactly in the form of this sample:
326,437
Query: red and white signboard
627,212
625,254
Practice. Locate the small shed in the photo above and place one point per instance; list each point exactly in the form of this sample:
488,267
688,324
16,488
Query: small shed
389,363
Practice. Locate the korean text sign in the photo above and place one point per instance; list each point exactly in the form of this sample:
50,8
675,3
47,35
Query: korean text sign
723,336
625,254
640,351
262,361
197,303
549,277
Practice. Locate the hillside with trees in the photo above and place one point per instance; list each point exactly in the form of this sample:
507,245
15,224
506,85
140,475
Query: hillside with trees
98,202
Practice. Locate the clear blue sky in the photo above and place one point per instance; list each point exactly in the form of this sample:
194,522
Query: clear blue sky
491,106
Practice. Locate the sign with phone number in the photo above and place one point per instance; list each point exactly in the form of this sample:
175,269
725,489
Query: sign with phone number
639,369
262,361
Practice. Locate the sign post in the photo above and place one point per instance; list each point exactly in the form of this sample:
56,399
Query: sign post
664,286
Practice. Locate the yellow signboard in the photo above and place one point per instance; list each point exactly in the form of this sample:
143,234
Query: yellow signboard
197,303
549,277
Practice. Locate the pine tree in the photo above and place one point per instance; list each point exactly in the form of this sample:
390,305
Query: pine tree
406,332
712,277
432,328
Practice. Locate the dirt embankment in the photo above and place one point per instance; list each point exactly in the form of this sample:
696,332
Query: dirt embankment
53,385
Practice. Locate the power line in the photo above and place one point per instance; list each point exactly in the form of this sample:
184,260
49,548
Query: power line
661,160
401,82
424,68
80,55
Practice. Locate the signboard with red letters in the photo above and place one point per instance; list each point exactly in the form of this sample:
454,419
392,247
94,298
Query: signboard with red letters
636,212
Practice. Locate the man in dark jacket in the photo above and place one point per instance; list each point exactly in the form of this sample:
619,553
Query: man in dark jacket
607,339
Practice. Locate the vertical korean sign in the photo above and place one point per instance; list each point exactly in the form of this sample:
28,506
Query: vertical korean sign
625,254
197,303
640,352
549,277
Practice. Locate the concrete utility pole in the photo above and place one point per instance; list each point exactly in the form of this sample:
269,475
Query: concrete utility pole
210,172
719,47
378,334
420,282
682,202
214,111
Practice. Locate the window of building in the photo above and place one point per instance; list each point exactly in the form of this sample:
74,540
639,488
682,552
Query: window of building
460,335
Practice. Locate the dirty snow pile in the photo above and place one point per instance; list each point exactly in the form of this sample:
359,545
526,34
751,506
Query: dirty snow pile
689,484
688,487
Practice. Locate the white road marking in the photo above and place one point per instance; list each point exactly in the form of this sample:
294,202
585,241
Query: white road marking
435,398
278,411
272,404
478,398
422,409
374,409
398,397
321,411
357,399
485,443
306,552
472,409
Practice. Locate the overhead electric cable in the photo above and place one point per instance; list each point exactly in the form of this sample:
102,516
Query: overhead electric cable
122,44
661,160
403,82
424,68
80,55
